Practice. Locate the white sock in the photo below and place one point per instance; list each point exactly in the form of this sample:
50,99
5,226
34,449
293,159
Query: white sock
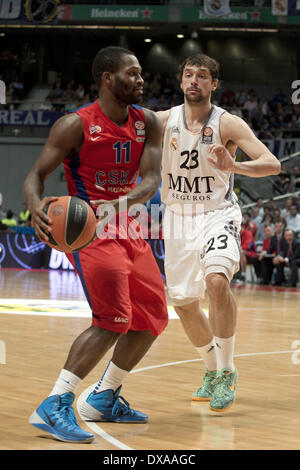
208,354
66,382
111,379
225,350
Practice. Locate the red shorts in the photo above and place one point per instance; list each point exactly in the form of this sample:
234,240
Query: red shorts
123,285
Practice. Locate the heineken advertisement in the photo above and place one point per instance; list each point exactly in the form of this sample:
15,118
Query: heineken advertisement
237,14
132,13
173,14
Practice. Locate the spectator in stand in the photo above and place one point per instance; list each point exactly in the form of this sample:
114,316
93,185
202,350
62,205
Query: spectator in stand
227,98
9,220
267,220
68,94
241,97
248,252
256,217
24,215
80,92
292,256
257,115
251,103
18,86
264,258
279,97
277,215
289,257
57,91
260,205
249,224
295,178
276,247
93,92
152,101
287,205
285,179
293,219
168,87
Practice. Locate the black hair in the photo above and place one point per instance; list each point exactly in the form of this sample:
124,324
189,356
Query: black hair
108,59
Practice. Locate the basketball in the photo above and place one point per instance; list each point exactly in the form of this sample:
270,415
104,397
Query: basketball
73,224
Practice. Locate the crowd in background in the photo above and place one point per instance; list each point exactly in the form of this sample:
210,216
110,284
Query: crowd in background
269,118
9,74
270,242
276,117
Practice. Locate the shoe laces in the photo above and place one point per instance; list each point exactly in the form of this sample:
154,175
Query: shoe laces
120,408
209,377
68,415
220,384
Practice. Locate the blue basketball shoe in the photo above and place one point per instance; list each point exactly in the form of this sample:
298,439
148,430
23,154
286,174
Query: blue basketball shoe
56,416
108,406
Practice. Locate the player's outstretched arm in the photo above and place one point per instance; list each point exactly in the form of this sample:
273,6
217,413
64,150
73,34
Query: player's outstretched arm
236,131
64,138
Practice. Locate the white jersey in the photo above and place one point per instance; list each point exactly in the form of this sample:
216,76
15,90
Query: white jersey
187,176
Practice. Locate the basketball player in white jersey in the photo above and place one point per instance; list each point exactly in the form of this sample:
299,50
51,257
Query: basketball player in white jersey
202,219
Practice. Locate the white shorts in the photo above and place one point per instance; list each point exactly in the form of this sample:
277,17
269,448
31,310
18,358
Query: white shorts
197,245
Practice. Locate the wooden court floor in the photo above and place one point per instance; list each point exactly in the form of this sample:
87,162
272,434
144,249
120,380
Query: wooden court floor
35,344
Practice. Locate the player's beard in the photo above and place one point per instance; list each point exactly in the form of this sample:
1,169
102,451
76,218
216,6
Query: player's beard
197,99
124,92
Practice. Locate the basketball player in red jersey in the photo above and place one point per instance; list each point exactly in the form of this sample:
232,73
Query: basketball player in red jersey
103,147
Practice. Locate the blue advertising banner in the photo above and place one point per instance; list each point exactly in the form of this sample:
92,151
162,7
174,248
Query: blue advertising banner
20,250
28,118
29,11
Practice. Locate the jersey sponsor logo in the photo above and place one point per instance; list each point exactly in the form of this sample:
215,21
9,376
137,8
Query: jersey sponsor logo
175,130
94,139
207,135
174,144
199,184
115,178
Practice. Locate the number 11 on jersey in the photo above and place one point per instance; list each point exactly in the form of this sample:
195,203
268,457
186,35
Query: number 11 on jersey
118,146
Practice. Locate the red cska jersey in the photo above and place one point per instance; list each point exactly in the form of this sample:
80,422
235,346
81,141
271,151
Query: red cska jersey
107,164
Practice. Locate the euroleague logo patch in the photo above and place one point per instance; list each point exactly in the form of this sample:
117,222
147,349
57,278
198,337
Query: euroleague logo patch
140,131
174,144
139,125
207,135
57,210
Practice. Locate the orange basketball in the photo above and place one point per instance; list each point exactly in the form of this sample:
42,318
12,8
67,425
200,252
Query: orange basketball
73,224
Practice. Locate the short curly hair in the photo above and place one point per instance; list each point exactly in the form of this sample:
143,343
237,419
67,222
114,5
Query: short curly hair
108,59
